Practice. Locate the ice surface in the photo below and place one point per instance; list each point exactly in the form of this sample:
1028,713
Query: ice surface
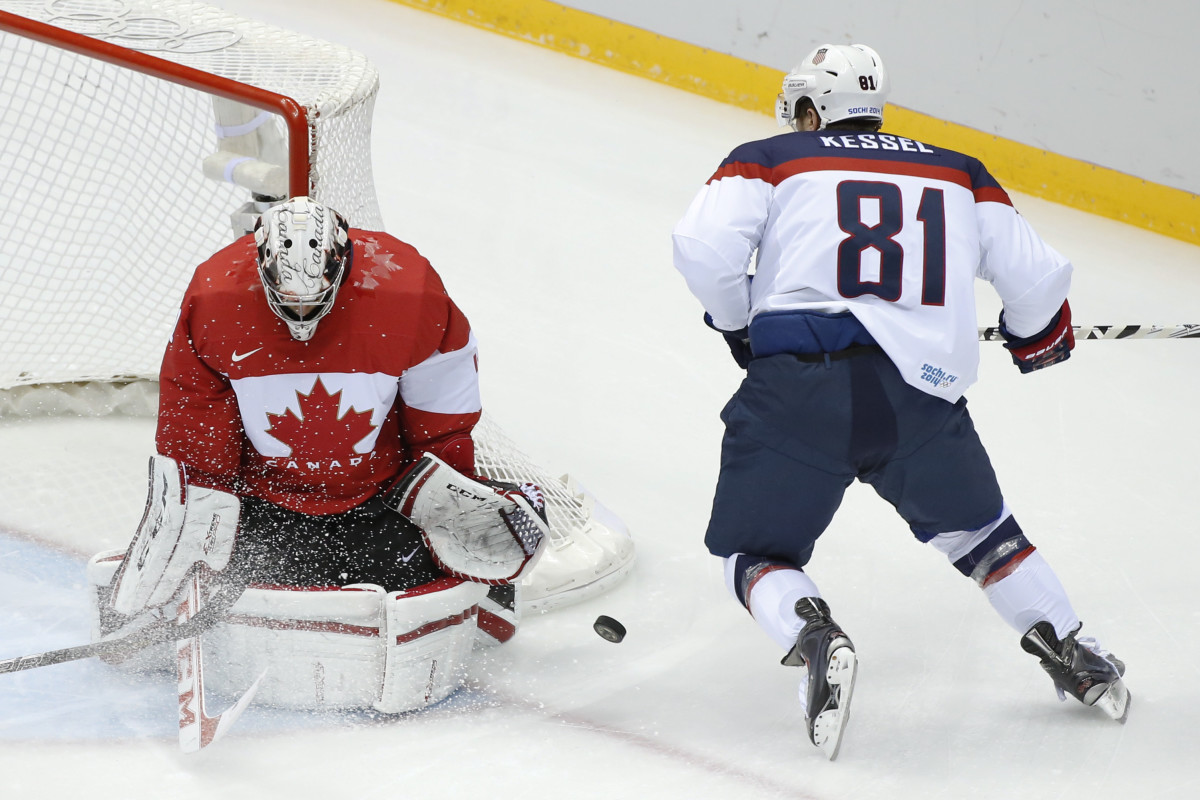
544,189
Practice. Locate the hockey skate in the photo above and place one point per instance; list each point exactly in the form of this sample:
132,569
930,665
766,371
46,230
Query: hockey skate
829,655
1080,668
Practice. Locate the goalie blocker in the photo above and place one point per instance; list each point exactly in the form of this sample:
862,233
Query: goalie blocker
183,528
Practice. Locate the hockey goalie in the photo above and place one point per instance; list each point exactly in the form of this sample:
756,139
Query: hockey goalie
314,478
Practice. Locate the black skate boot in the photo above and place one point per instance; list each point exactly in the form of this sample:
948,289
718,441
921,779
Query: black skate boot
829,655
1080,668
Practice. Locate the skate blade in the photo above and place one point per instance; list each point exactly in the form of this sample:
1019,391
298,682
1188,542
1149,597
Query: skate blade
830,724
1115,701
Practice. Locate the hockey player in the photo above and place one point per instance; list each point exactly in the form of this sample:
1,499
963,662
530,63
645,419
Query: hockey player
858,332
317,400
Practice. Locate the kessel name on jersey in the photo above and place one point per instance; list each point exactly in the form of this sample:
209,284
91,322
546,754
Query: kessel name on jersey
876,141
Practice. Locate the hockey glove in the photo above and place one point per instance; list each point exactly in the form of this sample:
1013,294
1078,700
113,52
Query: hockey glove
1047,347
474,531
738,341
184,526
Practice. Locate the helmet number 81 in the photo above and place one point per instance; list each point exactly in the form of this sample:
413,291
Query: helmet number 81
931,213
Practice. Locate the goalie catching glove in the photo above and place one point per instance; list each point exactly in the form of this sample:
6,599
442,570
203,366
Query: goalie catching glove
183,527
481,531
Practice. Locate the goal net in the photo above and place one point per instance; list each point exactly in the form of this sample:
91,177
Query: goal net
137,136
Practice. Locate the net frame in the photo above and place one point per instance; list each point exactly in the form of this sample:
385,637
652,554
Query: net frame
295,115
316,98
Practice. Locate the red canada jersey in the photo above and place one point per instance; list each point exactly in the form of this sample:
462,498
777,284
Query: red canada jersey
323,425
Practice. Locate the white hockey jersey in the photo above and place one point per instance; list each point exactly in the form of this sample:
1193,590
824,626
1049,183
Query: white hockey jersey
891,229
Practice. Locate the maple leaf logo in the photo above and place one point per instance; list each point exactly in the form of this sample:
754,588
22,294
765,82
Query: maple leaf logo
318,432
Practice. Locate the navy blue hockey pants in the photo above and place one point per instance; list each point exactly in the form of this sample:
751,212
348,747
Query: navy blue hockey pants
797,433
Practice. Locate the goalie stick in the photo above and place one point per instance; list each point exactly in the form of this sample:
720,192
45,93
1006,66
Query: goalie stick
157,632
1082,332
197,729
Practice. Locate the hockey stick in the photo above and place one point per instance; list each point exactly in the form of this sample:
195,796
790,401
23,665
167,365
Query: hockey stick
197,729
1082,332
157,632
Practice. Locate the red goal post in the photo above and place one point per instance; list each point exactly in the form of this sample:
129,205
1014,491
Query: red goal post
131,132
294,115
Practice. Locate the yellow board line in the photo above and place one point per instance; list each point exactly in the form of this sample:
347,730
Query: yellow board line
1019,167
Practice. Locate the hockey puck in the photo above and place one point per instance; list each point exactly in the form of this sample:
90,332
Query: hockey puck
609,629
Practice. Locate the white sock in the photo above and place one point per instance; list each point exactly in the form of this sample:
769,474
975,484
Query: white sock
1030,594
773,601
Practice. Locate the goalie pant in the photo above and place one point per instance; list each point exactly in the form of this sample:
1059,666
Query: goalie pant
358,646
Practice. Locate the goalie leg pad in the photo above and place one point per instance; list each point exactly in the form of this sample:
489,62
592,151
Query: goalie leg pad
431,631
499,614
321,648
101,569
474,531
355,647
182,526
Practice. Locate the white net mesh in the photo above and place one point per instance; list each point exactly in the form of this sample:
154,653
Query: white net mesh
104,179
117,183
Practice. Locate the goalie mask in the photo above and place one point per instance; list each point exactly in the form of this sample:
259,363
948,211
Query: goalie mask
843,81
304,254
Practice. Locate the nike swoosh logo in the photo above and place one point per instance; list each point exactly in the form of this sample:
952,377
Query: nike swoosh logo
239,356
408,557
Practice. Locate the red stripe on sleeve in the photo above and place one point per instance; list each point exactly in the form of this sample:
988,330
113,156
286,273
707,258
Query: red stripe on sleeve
742,169
992,194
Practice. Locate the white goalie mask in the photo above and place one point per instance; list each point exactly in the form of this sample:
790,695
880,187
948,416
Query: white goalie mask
303,256
843,81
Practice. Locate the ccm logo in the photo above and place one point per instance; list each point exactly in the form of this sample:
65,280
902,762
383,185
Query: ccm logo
467,493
